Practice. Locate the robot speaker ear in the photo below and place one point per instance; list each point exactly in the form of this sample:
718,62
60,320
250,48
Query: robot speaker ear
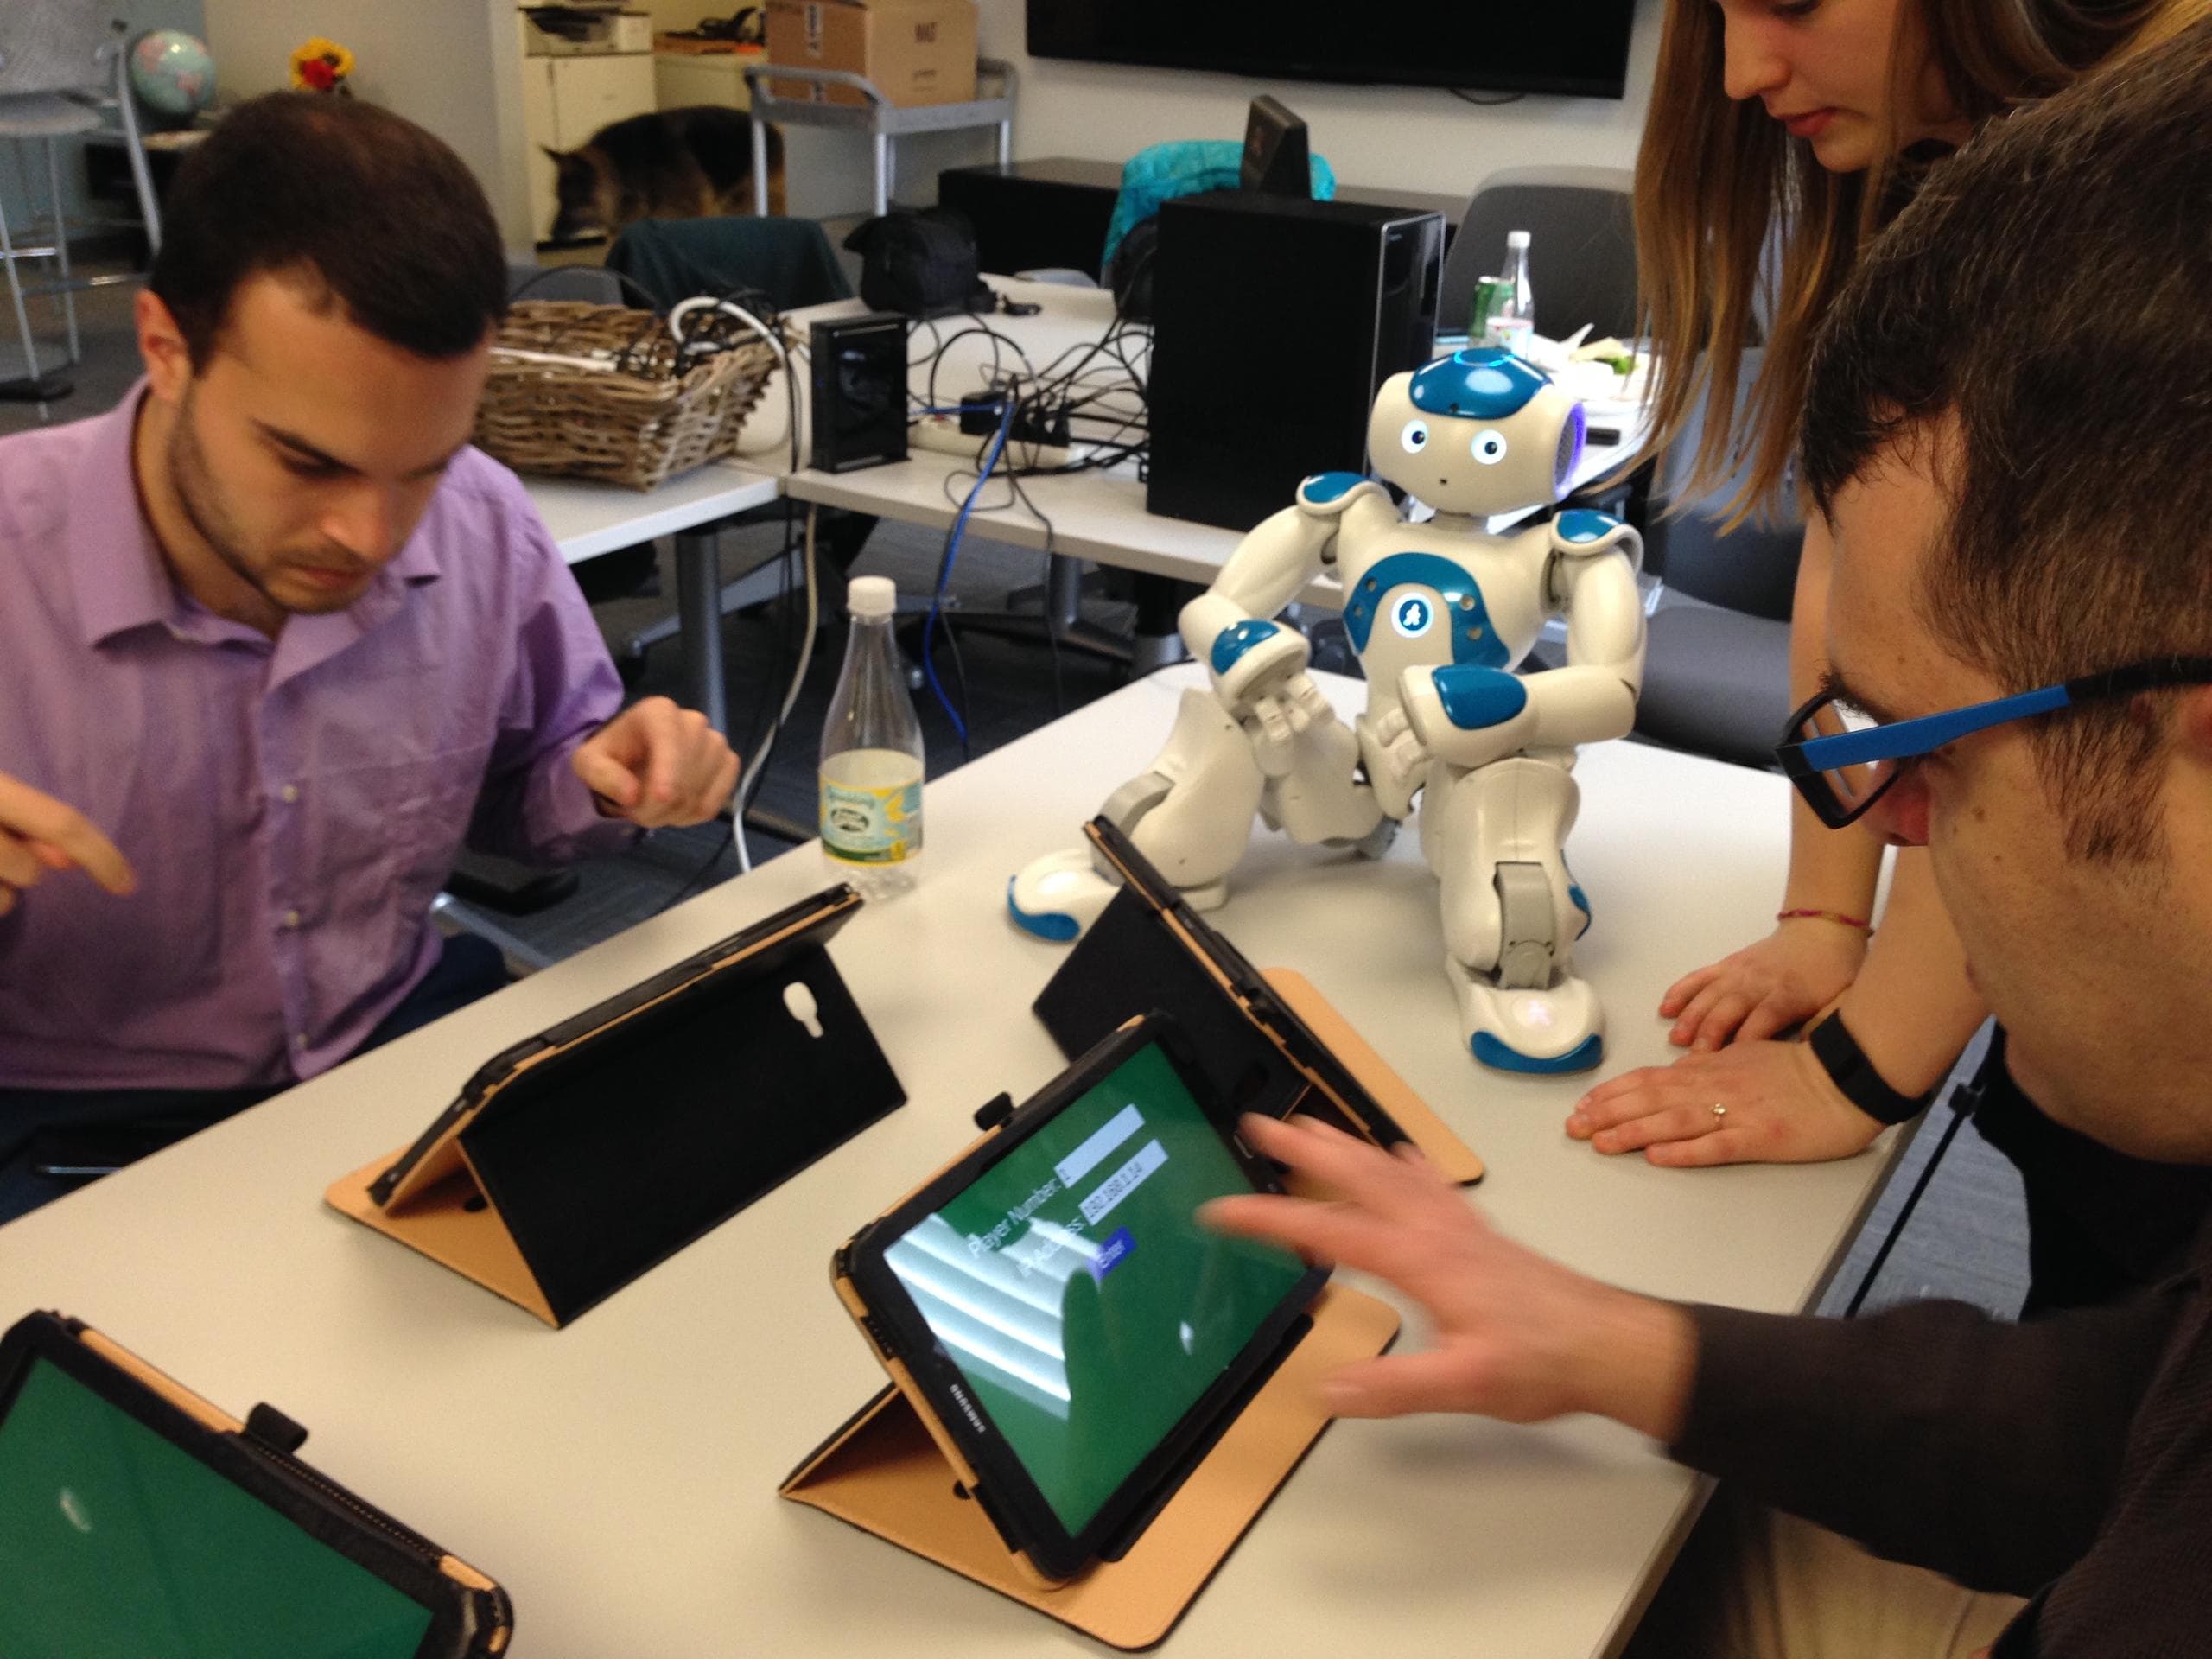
1573,435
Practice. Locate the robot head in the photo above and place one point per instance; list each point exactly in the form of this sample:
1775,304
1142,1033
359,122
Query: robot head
1478,432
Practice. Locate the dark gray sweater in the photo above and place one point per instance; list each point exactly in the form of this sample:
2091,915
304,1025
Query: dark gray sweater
2068,1459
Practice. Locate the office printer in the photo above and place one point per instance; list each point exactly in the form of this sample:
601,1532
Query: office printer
585,28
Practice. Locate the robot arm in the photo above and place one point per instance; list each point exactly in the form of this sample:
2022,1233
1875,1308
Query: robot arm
1469,716
1275,560
1252,658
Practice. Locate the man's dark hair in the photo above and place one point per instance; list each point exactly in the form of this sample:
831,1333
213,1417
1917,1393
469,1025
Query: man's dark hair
2038,326
380,214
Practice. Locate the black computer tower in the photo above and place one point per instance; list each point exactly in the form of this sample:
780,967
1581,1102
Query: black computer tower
1036,213
1274,322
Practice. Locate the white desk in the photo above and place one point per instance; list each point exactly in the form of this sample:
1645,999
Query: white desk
619,1476
589,519
1099,516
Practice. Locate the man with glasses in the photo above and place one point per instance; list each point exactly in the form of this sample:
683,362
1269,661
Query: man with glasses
2009,432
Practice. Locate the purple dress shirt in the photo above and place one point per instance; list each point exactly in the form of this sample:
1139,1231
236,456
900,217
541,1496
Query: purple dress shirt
291,807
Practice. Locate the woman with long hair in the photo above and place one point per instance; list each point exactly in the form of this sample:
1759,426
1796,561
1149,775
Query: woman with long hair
1782,135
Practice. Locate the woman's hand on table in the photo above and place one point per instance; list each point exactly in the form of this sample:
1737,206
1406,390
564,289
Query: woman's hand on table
1779,1108
1781,981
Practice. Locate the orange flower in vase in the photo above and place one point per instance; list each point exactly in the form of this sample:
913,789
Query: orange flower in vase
322,66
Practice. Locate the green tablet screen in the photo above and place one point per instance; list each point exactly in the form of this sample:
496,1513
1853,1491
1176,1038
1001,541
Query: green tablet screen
115,1544
1085,1307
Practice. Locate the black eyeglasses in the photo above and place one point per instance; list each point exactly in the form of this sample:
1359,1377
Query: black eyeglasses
1842,759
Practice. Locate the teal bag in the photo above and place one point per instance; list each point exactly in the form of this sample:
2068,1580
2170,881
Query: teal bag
1183,168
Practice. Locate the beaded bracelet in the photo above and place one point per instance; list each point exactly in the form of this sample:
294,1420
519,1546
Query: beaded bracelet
1863,926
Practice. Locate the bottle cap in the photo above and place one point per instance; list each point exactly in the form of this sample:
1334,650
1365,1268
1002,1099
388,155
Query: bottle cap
1516,238
871,596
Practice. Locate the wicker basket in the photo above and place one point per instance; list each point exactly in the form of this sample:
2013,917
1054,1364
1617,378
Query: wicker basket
634,422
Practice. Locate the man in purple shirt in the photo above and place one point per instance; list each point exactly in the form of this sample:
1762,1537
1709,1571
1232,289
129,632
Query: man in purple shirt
275,642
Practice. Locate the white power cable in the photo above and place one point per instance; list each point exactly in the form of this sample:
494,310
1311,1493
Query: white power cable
707,303
749,781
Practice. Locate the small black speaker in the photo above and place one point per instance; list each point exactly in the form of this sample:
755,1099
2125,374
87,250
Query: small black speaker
858,377
1275,321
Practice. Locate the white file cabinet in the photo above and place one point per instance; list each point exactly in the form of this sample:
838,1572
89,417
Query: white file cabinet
682,79
565,100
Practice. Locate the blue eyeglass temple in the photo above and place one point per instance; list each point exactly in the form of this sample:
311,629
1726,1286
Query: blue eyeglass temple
1906,737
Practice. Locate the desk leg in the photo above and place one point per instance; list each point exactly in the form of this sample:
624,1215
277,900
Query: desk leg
1158,639
699,612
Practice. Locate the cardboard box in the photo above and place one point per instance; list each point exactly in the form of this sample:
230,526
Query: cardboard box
917,52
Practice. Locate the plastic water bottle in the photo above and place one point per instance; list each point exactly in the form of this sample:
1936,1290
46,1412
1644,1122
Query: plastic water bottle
1521,307
1506,302
871,774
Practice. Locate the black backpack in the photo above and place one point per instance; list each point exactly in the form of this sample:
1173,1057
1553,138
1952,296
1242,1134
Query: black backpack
923,264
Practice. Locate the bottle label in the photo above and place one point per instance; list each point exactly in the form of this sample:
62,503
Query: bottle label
864,825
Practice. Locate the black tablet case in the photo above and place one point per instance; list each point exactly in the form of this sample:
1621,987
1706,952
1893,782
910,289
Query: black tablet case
1133,960
471,1617
614,1140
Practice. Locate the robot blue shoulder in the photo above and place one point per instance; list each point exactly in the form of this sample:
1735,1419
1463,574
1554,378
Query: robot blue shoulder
1326,489
1582,525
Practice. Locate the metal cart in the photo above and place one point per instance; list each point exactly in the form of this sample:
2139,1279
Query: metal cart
879,118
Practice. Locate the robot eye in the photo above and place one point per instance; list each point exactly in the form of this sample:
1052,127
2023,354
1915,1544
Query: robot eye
1414,437
1489,447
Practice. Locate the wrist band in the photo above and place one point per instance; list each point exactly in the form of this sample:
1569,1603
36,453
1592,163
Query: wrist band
1855,1077
1860,923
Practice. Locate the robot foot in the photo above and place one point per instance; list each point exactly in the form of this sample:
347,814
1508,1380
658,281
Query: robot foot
1374,844
1212,896
1544,1033
1059,896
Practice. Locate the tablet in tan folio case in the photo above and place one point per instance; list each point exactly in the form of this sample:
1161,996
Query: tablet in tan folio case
1092,1392
883,1473
136,1517
1271,1042
581,1158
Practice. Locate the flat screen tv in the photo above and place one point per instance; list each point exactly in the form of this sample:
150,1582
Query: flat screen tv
1579,49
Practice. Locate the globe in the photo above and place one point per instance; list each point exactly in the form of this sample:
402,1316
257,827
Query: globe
172,74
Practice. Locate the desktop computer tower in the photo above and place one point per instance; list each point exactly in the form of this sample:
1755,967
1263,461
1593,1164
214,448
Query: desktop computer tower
1274,322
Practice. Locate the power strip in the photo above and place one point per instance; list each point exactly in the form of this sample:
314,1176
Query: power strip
942,432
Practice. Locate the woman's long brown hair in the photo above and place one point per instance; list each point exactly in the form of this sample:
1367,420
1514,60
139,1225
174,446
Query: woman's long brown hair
1735,222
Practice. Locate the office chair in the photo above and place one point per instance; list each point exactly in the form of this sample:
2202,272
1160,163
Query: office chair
1716,676
1581,248
789,260
62,62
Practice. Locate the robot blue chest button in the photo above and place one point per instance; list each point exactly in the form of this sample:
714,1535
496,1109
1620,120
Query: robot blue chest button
1474,640
1323,487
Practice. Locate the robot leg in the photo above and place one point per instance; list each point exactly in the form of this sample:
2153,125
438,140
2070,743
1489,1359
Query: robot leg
1318,802
1511,913
1190,812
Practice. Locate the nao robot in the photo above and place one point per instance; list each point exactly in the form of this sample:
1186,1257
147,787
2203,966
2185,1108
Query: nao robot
1440,612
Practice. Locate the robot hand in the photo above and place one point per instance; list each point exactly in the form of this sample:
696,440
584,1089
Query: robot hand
1260,676
1396,762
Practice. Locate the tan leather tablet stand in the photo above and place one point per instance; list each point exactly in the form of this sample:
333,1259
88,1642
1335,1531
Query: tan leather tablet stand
884,1473
1453,1159
442,1211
